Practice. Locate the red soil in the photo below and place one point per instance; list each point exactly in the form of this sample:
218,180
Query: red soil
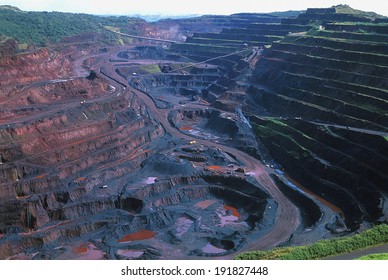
140,235
41,176
186,127
234,210
80,179
214,167
81,249
323,201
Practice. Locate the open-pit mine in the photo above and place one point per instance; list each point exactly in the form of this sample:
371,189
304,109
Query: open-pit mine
225,134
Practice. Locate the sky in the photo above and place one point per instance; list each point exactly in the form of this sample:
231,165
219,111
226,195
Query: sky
188,7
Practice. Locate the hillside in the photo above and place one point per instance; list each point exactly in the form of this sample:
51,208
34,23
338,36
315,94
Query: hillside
327,90
43,28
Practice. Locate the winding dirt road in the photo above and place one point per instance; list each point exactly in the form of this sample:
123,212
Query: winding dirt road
287,215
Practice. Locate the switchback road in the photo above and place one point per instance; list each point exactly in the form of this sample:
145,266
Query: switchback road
287,215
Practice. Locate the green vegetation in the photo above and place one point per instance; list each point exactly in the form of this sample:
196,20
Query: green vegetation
112,28
346,9
280,134
383,256
150,68
43,28
288,14
370,37
353,23
324,248
277,121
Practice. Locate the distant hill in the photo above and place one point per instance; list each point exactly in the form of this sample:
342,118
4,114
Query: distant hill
346,9
287,14
9,7
41,29
45,28
154,18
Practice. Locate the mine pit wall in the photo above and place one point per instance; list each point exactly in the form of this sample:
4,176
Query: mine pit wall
233,182
21,215
347,180
291,107
111,152
23,68
43,142
339,82
309,211
252,198
242,136
336,111
174,84
72,211
37,214
10,173
233,190
27,216
215,80
29,186
38,211
154,221
8,249
217,123
23,243
213,119
8,47
152,190
53,143
77,88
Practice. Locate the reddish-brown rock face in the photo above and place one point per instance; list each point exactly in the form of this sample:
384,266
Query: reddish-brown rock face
81,156
8,47
38,65
56,128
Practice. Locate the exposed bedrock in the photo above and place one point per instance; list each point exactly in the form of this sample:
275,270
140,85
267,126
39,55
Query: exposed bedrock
53,92
174,87
163,165
62,141
309,210
325,93
228,127
172,74
190,212
335,163
199,215
144,52
185,85
22,69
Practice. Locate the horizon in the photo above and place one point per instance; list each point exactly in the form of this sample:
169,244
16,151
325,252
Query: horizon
187,7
